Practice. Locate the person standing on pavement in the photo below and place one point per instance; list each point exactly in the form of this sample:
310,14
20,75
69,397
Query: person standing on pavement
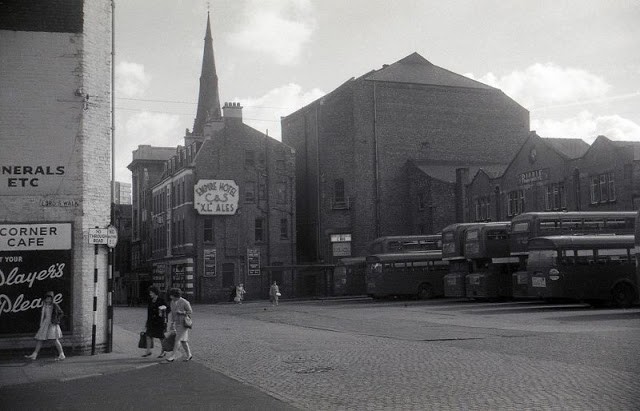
274,293
156,325
50,318
240,292
180,309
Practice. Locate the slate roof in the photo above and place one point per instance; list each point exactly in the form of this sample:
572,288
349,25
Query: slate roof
417,70
571,147
446,171
631,145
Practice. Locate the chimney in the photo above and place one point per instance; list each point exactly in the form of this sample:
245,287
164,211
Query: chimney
232,111
462,180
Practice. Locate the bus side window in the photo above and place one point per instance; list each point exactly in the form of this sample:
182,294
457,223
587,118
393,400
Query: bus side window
568,257
571,224
584,257
614,255
594,225
549,225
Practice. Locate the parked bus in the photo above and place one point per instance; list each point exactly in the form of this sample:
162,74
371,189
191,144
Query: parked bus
538,224
405,243
417,274
487,247
453,251
592,268
349,276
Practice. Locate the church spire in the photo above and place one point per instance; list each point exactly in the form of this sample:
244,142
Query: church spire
208,98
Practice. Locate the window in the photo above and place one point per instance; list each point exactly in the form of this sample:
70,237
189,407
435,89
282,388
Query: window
249,159
422,199
603,188
282,192
483,208
250,192
338,191
208,229
262,190
259,230
280,165
515,202
284,229
555,198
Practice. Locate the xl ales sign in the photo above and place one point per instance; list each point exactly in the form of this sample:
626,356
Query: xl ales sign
34,259
216,197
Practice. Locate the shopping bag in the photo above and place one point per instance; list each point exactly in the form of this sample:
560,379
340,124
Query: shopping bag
142,342
168,342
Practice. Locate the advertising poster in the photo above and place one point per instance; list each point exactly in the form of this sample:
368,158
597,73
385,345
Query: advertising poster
253,261
216,197
34,259
209,262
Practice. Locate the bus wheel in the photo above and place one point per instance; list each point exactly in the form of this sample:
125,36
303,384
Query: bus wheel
623,295
425,292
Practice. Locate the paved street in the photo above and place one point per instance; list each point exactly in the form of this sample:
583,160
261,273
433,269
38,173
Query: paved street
440,354
423,355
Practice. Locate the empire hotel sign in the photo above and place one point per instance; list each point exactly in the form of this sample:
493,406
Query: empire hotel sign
215,197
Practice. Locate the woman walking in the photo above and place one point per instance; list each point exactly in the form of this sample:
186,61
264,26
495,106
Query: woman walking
50,317
274,293
180,309
157,311
240,292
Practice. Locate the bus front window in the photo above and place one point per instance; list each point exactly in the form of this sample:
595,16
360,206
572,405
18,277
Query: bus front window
542,258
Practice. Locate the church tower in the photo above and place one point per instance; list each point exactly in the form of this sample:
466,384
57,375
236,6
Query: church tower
208,98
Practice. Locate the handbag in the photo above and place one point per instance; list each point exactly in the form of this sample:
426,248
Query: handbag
142,342
188,322
278,295
168,342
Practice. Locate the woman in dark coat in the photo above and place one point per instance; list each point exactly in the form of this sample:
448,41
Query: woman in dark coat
156,320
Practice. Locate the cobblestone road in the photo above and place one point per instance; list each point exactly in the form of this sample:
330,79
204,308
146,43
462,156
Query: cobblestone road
423,355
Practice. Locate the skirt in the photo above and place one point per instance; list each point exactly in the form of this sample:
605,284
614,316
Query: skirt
182,333
48,332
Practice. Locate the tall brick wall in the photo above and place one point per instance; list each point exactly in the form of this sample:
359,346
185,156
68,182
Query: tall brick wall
46,119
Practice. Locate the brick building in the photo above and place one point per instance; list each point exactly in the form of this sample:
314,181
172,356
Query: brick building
55,127
224,205
555,174
353,145
147,167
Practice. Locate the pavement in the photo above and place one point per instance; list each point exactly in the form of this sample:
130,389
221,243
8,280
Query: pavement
124,380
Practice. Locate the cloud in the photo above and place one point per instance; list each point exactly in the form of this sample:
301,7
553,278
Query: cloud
545,84
264,112
131,79
588,126
279,29
156,129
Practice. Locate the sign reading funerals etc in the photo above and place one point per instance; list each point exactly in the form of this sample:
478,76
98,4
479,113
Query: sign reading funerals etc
216,197
34,259
253,261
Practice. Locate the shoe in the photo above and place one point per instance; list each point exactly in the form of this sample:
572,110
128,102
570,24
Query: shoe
188,358
60,357
32,357
170,360
162,354
146,355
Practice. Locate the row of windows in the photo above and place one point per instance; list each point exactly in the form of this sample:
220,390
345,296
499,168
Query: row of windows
161,235
250,160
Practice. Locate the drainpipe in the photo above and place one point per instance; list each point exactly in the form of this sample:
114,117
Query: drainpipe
375,162
318,190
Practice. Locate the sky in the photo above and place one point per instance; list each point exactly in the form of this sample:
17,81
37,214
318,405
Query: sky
574,64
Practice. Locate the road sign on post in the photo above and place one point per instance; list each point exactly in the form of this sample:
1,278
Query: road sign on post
112,236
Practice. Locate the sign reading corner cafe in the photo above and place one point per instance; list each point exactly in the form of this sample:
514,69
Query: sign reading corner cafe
216,197
34,259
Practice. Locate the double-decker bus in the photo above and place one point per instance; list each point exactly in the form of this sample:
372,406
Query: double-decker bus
405,243
487,247
538,224
417,274
590,268
349,276
453,237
